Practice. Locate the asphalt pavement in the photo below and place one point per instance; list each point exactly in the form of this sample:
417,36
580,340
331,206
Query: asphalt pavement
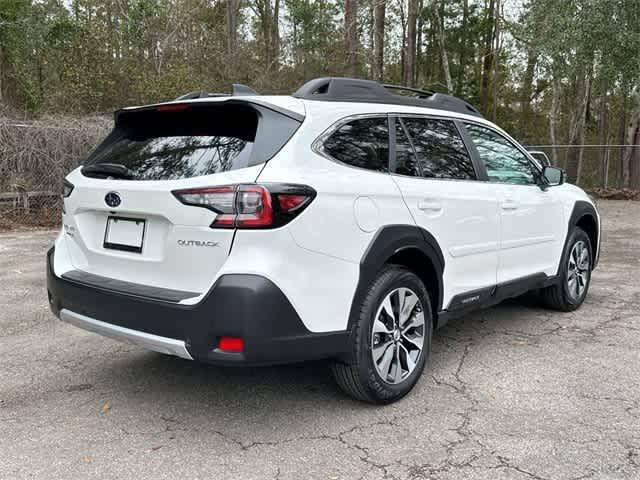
512,392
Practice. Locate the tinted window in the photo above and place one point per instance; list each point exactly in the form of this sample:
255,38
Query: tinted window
503,161
362,143
439,147
406,163
191,141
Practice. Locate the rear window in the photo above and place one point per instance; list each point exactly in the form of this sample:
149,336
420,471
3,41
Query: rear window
190,140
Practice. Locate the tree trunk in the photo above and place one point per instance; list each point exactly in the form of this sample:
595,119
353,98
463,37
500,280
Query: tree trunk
462,54
634,161
631,158
488,56
403,49
496,59
603,136
409,73
621,134
275,35
574,159
379,13
270,30
1,73
351,36
553,118
443,49
525,93
233,10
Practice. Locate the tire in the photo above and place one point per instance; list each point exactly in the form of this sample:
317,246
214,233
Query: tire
567,296
362,378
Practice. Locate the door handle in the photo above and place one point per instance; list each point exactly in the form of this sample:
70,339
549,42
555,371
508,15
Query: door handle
509,205
430,206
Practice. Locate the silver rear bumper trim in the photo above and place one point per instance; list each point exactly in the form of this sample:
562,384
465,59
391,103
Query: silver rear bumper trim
169,346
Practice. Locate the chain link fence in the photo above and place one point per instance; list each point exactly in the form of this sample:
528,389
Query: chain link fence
597,168
36,156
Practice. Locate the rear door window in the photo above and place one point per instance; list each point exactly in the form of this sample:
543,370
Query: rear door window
406,162
191,140
362,143
439,148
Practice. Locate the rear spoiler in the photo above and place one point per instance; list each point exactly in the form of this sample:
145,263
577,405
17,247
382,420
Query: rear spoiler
217,100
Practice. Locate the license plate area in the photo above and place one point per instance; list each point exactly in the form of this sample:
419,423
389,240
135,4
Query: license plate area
125,234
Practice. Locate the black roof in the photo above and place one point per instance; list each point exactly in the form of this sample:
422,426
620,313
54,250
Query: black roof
338,89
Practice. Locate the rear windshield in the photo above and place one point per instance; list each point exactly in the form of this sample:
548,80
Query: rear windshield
190,140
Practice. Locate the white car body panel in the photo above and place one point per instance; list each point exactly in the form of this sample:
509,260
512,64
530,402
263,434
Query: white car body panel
489,233
463,217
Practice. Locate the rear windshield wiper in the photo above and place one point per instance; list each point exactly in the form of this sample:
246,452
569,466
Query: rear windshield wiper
108,169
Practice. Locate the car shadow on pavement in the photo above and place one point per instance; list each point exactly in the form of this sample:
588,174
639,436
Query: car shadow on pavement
159,378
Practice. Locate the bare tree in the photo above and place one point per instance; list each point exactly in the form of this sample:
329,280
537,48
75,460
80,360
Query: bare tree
351,36
462,55
233,12
443,46
269,16
409,73
487,60
631,157
577,130
603,133
379,13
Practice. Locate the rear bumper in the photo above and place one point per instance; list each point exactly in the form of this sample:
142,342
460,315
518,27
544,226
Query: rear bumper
247,306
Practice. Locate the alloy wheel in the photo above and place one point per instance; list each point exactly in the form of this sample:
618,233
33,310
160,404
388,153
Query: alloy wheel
578,270
397,336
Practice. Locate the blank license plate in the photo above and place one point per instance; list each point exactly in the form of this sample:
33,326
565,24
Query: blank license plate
124,234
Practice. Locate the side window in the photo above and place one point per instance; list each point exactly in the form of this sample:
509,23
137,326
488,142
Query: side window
362,143
406,163
440,149
503,161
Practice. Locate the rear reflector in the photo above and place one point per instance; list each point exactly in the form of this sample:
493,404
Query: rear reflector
250,205
231,344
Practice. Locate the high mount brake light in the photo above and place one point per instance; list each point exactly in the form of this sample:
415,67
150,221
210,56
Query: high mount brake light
173,107
250,206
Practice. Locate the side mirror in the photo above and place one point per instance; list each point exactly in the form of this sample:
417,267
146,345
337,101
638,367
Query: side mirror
553,176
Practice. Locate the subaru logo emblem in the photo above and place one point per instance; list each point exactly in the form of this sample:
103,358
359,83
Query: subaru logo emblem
112,199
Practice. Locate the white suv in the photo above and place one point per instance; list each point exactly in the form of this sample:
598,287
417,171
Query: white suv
344,222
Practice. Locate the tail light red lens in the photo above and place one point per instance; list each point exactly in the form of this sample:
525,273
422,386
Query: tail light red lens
250,205
291,202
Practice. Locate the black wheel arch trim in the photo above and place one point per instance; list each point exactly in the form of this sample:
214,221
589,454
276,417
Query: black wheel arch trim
580,210
388,241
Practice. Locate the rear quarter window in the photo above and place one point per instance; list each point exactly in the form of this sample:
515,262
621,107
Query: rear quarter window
362,143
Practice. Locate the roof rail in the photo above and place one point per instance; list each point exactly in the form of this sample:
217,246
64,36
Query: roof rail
418,93
237,89
338,89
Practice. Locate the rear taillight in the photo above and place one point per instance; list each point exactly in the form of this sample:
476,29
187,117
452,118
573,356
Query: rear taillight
250,205
67,188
